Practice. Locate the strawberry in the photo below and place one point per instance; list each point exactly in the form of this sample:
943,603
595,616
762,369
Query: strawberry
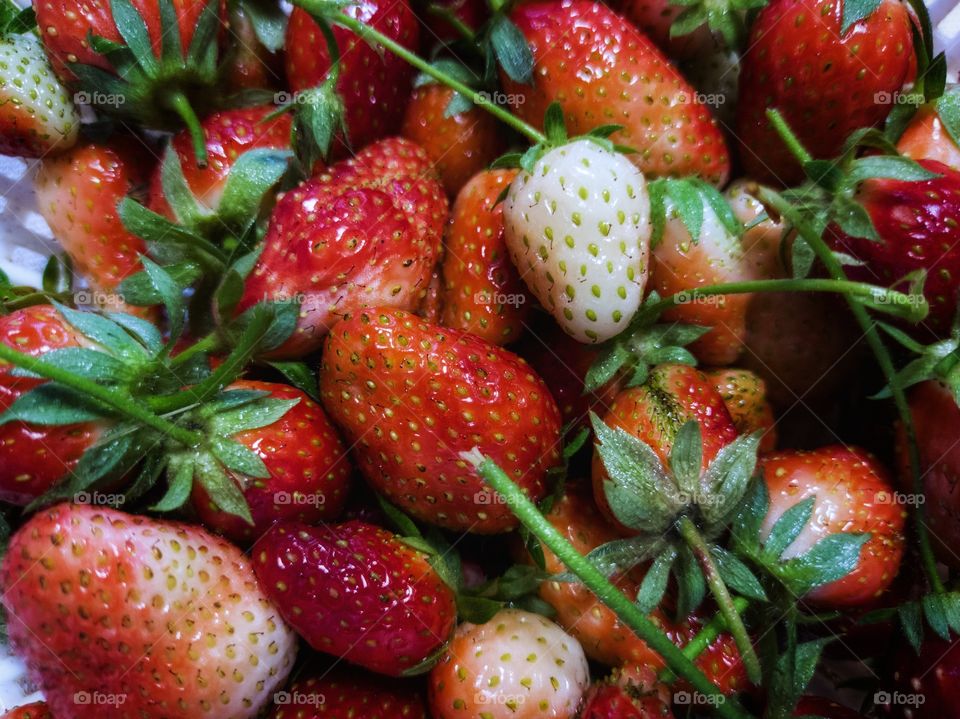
482,292
307,463
917,226
601,70
374,86
656,18
852,494
348,694
77,194
146,618
655,411
249,64
824,708
460,146
432,393
366,232
924,686
36,710
33,458
394,610
577,228
745,396
761,234
518,665
823,78
629,693
436,28
926,138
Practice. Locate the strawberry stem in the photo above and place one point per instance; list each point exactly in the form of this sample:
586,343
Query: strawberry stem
628,612
179,103
705,637
450,17
208,343
691,535
788,136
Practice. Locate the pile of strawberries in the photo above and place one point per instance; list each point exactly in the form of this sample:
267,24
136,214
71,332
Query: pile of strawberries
466,360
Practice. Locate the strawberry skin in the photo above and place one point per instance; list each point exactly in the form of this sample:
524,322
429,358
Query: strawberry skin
632,692
412,396
374,87
349,694
926,138
825,85
34,458
356,591
309,469
745,396
37,116
36,710
603,71
366,232
482,291
162,617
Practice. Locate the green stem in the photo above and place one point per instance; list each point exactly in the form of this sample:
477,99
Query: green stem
206,344
321,10
117,400
701,550
628,612
705,637
179,103
333,50
789,138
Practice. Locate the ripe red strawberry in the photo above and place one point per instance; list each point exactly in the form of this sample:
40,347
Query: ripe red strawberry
824,81
745,396
924,686
349,694
482,291
374,87
852,494
460,146
228,135
308,465
358,592
412,396
36,710
656,18
629,693
824,708
926,138
144,617
655,411
34,458
366,232
518,665
917,225
602,71
249,64
77,194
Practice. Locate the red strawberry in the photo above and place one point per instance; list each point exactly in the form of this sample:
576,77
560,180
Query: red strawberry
460,146
36,710
309,469
925,686
374,86
348,694
34,458
77,194
412,396
926,138
602,71
482,291
745,396
146,618
852,494
366,232
629,693
824,708
656,18
472,13
917,224
824,81
249,64
358,592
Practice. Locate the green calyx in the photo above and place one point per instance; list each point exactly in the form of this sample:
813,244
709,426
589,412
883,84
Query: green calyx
938,361
15,20
687,199
725,18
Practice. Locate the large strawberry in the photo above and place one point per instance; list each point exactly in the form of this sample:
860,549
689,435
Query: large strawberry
349,694
812,62
602,71
577,227
308,469
358,592
412,396
33,457
373,86
145,618
366,232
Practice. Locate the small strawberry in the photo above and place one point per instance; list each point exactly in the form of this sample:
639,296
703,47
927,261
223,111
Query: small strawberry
460,145
358,592
810,61
348,694
308,468
366,232
32,457
77,194
482,292
927,138
601,71
745,396
851,494
374,86
155,618
412,396
36,710
629,693
577,227
518,665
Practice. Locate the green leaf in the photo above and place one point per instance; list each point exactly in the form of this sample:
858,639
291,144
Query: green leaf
238,458
318,118
51,404
691,586
105,332
172,45
506,161
617,556
300,376
83,362
146,333
788,527
150,471
948,108
606,366
686,204
57,274
749,518
856,10
284,317
269,22
132,28
737,575
911,621
177,191
554,125
511,49
223,490
400,521
170,293
457,105
853,219
888,167
254,415
657,191
654,584
801,258
830,559
478,610
138,289
806,660
686,457
252,176
232,285
725,482
203,47
180,472
934,609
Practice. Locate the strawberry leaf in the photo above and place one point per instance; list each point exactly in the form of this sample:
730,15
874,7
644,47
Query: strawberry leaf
253,415
180,472
686,457
853,219
51,404
830,559
948,108
238,458
300,376
318,118
911,621
887,167
617,556
138,289
726,481
737,575
654,584
691,586
223,490
856,10
269,22
252,176
554,125
511,49
105,332
788,527
170,293
457,105
133,29
57,274
934,609
83,362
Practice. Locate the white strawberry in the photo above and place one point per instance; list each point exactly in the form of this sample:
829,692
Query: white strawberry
135,618
578,229
37,116
518,665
